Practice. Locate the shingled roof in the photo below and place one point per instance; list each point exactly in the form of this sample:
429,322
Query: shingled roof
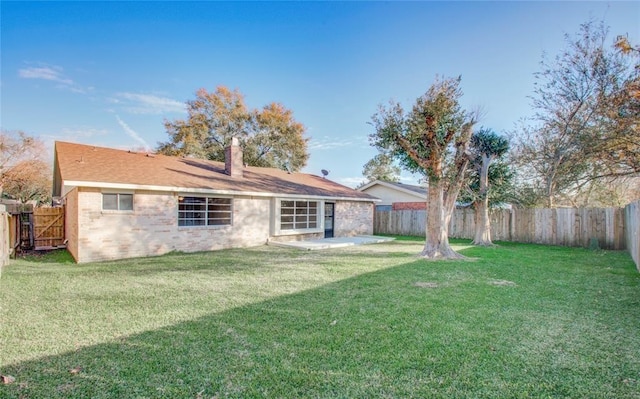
79,165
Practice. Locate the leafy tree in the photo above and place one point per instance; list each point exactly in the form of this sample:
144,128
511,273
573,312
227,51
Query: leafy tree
17,146
586,122
28,180
381,167
24,174
432,139
277,140
270,137
623,45
486,146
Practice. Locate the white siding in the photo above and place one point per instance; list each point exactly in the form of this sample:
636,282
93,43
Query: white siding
389,195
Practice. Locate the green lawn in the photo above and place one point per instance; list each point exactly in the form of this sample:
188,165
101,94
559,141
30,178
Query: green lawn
514,321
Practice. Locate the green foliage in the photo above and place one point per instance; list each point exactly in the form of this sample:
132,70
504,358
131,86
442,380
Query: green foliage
517,321
502,189
420,139
381,167
278,140
270,137
487,144
430,140
60,256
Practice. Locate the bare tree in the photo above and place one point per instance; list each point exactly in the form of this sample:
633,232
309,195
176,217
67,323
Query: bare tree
586,122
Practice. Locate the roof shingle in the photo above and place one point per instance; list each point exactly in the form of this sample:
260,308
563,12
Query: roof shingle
79,163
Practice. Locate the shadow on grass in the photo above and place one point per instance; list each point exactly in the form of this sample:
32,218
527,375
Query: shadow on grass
373,335
48,256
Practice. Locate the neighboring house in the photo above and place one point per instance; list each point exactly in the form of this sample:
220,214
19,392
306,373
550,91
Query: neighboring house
122,204
396,196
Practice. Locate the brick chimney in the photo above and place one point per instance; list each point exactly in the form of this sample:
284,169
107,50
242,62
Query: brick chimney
233,163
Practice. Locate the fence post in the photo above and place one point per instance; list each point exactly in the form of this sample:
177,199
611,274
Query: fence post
557,226
4,239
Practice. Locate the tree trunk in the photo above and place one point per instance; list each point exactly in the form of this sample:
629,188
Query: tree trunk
437,242
549,192
442,206
483,223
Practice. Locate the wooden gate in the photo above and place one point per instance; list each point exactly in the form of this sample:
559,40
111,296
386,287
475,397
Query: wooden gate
48,228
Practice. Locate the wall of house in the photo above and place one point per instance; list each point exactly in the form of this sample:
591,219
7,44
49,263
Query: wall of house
353,218
71,222
389,196
152,227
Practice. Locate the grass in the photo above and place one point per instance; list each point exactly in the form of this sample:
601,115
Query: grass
517,321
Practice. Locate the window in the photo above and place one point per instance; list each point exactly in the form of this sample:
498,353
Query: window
203,211
117,202
298,215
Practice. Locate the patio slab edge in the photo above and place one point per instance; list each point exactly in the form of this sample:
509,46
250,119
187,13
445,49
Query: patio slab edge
336,242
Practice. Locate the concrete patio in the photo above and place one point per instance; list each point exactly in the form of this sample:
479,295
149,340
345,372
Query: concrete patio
336,242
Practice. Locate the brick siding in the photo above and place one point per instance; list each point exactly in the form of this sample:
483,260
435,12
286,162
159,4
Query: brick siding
403,206
152,227
353,218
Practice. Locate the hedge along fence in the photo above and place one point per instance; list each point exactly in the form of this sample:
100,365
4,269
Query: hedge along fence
632,224
579,227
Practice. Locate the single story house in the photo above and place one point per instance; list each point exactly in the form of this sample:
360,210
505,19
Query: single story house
124,204
396,196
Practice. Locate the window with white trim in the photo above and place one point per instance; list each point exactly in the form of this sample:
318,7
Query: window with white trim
299,215
117,202
204,211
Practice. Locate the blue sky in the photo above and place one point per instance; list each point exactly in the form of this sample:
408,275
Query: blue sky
109,74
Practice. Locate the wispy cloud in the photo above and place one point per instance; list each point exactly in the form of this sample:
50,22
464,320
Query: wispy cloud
76,134
52,73
136,103
47,73
328,143
133,134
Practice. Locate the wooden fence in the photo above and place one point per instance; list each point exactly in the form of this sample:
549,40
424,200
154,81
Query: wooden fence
48,228
36,228
581,227
632,224
5,246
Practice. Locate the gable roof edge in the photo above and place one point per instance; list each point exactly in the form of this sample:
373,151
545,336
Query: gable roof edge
69,184
392,186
